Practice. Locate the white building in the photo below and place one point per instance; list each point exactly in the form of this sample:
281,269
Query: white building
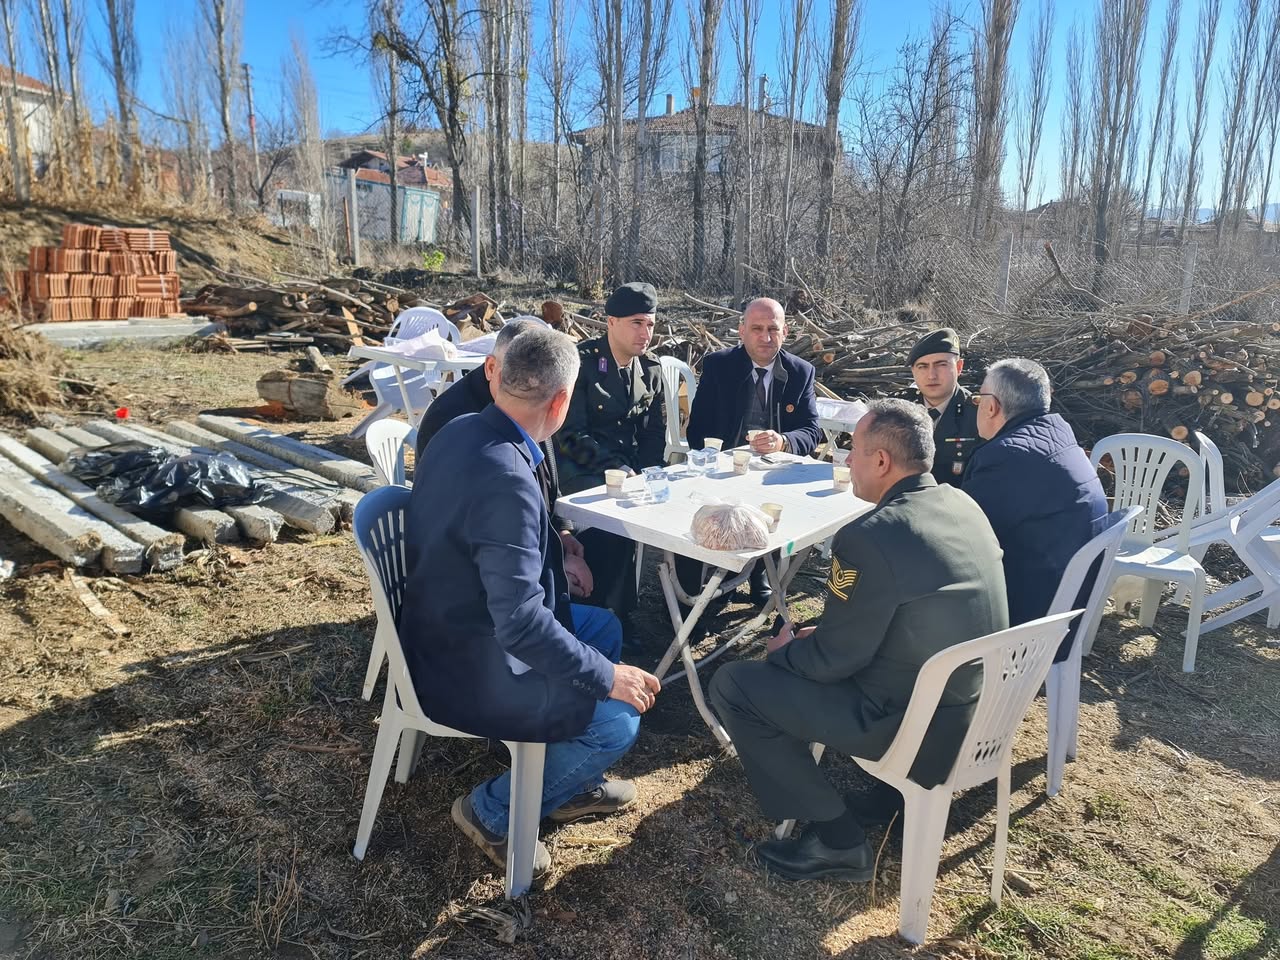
35,109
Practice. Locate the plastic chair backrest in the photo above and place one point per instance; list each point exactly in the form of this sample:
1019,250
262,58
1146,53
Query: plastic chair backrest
1014,665
1250,518
416,321
385,443
379,528
1105,545
1214,499
675,370
1142,463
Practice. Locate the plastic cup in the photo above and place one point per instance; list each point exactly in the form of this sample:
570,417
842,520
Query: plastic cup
741,461
751,434
715,443
656,484
839,458
613,482
840,479
774,510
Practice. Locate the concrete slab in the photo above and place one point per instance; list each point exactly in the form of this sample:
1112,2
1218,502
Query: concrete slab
61,526
49,444
82,438
162,549
349,473
79,334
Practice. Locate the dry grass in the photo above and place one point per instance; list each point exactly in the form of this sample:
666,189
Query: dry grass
193,790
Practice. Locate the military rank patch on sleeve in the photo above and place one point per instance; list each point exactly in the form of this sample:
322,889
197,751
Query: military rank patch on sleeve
842,580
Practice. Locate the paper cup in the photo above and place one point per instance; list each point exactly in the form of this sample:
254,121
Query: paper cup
715,443
613,482
840,478
741,461
774,510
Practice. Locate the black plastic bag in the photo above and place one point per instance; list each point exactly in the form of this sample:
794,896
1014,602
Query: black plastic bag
136,479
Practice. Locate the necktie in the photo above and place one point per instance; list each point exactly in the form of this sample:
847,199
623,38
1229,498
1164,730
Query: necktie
761,397
934,414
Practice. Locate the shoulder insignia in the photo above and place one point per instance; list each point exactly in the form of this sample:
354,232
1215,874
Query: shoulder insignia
842,581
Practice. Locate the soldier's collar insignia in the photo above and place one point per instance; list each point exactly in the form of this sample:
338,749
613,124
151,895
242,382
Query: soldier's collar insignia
604,365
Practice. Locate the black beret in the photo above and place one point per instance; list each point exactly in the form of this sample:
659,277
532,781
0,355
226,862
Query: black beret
940,341
630,299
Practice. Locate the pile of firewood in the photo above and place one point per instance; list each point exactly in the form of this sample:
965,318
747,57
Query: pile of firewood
339,312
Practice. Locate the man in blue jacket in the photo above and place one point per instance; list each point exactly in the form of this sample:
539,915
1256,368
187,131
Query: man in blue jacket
1035,485
754,386
492,643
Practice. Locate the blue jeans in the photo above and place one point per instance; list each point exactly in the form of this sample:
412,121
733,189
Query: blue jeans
572,766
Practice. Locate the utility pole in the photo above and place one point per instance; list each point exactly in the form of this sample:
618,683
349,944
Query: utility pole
259,186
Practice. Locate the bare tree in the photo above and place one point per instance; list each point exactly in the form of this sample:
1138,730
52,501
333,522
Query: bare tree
704,25
386,69
1268,153
51,54
1259,104
654,20
1168,44
1119,31
1031,104
556,75
1072,128
839,68
743,28
223,22
13,123
309,162
183,103
122,64
797,80
1170,169
1206,34
1241,65
72,46
991,77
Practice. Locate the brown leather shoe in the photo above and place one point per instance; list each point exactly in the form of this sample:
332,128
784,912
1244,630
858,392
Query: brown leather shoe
493,846
610,797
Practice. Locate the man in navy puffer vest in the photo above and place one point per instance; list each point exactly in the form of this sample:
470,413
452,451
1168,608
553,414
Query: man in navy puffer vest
1036,486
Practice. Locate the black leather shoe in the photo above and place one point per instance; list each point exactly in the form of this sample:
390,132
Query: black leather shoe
807,858
761,592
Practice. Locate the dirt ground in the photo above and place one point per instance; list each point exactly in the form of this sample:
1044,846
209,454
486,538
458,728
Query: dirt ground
193,789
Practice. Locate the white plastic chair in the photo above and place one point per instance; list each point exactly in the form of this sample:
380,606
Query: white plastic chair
385,442
410,323
1062,686
1247,529
420,386
1142,463
675,372
379,527
1014,664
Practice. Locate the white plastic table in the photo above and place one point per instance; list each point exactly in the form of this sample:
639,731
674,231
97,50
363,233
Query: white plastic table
811,512
399,363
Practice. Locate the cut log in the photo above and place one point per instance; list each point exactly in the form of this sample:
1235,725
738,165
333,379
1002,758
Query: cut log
162,549
1225,398
1129,376
1158,358
1158,388
309,396
318,362
1255,399
1179,433
1193,378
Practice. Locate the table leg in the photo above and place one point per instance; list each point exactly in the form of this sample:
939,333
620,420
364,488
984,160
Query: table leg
404,393
683,626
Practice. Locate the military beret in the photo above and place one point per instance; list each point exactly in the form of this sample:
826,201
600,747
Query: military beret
940,341
630,299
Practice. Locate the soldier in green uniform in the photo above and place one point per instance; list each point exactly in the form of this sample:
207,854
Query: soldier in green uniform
917,574
616,420
936,364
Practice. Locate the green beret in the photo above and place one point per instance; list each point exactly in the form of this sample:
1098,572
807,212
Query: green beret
940,341
630,299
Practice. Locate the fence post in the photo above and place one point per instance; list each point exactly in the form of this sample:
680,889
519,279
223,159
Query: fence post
1189,255
475,231
353,218
1002,275
739,251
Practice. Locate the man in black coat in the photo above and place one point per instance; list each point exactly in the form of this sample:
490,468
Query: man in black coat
756,385
1035,485
917,574
615,422
472,394
494,647
936,365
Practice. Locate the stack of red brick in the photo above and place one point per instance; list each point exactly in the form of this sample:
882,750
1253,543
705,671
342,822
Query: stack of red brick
100,273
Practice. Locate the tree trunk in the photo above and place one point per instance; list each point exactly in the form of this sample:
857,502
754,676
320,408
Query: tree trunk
709,22
123,63
13,125
837,67
642,146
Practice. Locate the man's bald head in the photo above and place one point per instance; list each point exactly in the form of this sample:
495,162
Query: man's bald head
763,330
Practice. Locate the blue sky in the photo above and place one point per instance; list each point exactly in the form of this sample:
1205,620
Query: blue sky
348,102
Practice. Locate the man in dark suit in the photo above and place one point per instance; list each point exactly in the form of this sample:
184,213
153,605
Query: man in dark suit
756,385
936,366
1042,496
615,422
917,574
492,643
472,394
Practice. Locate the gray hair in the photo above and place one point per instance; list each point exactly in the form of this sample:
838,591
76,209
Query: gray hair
904,430
539,363
509,331
1021,386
